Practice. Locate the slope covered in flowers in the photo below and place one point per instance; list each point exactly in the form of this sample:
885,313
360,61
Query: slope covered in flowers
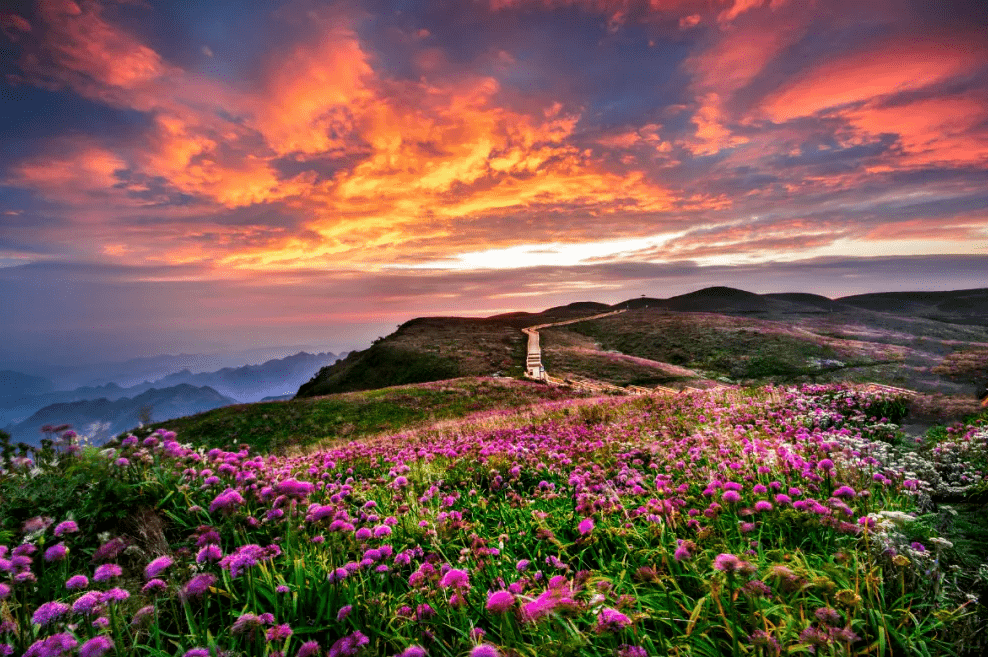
772,521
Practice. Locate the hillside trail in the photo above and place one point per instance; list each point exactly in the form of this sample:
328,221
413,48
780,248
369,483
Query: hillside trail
535,370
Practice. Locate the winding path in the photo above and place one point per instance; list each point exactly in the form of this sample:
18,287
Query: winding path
533,361
534,369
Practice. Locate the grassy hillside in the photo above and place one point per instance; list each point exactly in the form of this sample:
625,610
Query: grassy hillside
715,333
811,347
428,349
742,522
284,425
711,345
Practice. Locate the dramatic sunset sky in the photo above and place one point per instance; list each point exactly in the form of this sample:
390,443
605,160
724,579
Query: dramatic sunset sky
201,176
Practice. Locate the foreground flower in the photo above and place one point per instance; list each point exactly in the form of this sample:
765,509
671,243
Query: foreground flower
413,651
455,578
626,650
729,563
67,527
95,647
585,527
500,602
53,646
158,566
349,645
308,649
49,612
485,650
198,585
611,620
56,552
106,572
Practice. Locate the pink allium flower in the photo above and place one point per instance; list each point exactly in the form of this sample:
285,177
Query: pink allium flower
52,646
455,578
109,550
349,645
88,603
845,491
626,650
730,497
586,526
106,572
96,646
485,650
158,566
116,594
828,615
611,620
49,612
308,649
729,563
226,501
209,552
826,465
500,602
198,585
279,632
66,527
77,582
56,552
154,586
762,505
413,651
344,612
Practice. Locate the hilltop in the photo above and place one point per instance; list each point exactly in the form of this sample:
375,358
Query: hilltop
714,334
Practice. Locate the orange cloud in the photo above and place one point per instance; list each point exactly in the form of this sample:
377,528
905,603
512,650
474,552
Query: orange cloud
711,134
894,67
82,49
965,228
75,171
944,130
311,93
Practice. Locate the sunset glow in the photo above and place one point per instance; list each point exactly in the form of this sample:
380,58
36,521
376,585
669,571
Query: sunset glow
309,170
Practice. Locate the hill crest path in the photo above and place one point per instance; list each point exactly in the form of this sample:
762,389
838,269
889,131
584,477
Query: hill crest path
534,369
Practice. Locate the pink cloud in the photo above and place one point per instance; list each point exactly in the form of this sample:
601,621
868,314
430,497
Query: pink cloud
897,65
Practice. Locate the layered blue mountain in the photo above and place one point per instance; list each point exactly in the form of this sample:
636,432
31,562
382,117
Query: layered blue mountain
101,419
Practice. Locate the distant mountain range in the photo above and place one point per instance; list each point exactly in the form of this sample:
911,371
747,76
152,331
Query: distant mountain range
100,419
22,395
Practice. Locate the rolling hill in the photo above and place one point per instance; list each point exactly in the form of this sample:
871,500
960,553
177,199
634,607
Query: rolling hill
717,333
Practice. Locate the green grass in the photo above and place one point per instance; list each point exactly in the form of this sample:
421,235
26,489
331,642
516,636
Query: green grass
717,346
282,425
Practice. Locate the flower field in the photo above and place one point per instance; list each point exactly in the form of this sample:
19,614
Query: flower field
772,521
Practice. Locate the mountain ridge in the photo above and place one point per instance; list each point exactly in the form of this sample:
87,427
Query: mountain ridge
828,336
